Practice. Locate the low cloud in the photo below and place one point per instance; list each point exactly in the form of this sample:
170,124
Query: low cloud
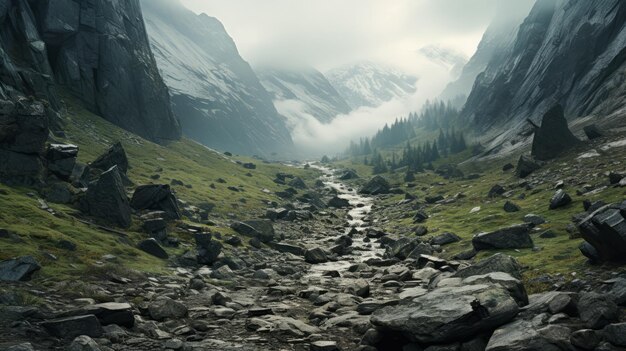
313,138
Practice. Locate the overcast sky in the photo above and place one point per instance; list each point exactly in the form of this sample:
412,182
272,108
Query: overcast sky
328,33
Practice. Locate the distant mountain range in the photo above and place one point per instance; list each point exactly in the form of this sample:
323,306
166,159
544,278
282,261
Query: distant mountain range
370,84
450,59
304,86
215,93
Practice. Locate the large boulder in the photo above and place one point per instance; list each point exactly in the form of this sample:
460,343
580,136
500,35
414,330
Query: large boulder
513,237
23,134
18,269
152,247
106,199
496,263
61,159
376,186
524,335
449,314
560,199
605,230
156,197
526,165
71,327
261,229
554,136
338,202
315,256
208,249
114,156
166,308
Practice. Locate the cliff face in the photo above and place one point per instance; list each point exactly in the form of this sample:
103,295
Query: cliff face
216,94
494,45
571,52
96,49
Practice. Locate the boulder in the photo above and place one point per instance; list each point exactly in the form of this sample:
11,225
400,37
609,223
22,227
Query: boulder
514,237
593,132
261,229
106,199
376,186
18,269
315,256
534,219
71,327
109,313
560,199
208,249
496,263
496,190
61,159
166,308
526,336
114,156
449,314
514,286
401,248
297,183
526,165
553,137
511,207
597,310
83,343
420,216
445,239
156,197
586,339
338,202
152,247
615,334
605,231
348,174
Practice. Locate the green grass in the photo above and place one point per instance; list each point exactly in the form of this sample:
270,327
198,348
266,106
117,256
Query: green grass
193,164
558,255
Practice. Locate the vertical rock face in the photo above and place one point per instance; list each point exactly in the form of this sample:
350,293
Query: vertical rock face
567,52
96,49
99,50
215,93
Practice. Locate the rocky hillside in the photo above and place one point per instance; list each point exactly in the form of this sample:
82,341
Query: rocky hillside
567,52
305,87
369,84
493,46
215,93
98,50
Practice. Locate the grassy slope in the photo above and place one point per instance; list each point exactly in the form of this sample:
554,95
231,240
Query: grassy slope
187,161
556,255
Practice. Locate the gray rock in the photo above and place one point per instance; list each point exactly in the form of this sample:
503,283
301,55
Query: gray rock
534,219
208,249
526,165
560,199
315,256
261,229
338,202
445,239
106,199
61,159
224,272
618,290
615,334
597,310
605,231
496,263
71,327
166,308
152,247
18,269
446,315
21,347
554,136
376,186
524,336
324,345
593,132
586,339
83,343
514,286
511,207
496,190
157,197
514,237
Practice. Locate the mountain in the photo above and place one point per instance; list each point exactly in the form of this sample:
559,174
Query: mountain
499,36
214,92
450,59
306,87
96,50
568,52
369,84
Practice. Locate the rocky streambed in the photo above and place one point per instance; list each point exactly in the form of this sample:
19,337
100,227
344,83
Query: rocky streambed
326,278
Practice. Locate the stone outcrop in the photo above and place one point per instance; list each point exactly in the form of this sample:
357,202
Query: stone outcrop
553,137
106,199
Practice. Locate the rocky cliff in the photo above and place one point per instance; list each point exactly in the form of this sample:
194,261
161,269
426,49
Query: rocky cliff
216,94
567,52
498,37
96,49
